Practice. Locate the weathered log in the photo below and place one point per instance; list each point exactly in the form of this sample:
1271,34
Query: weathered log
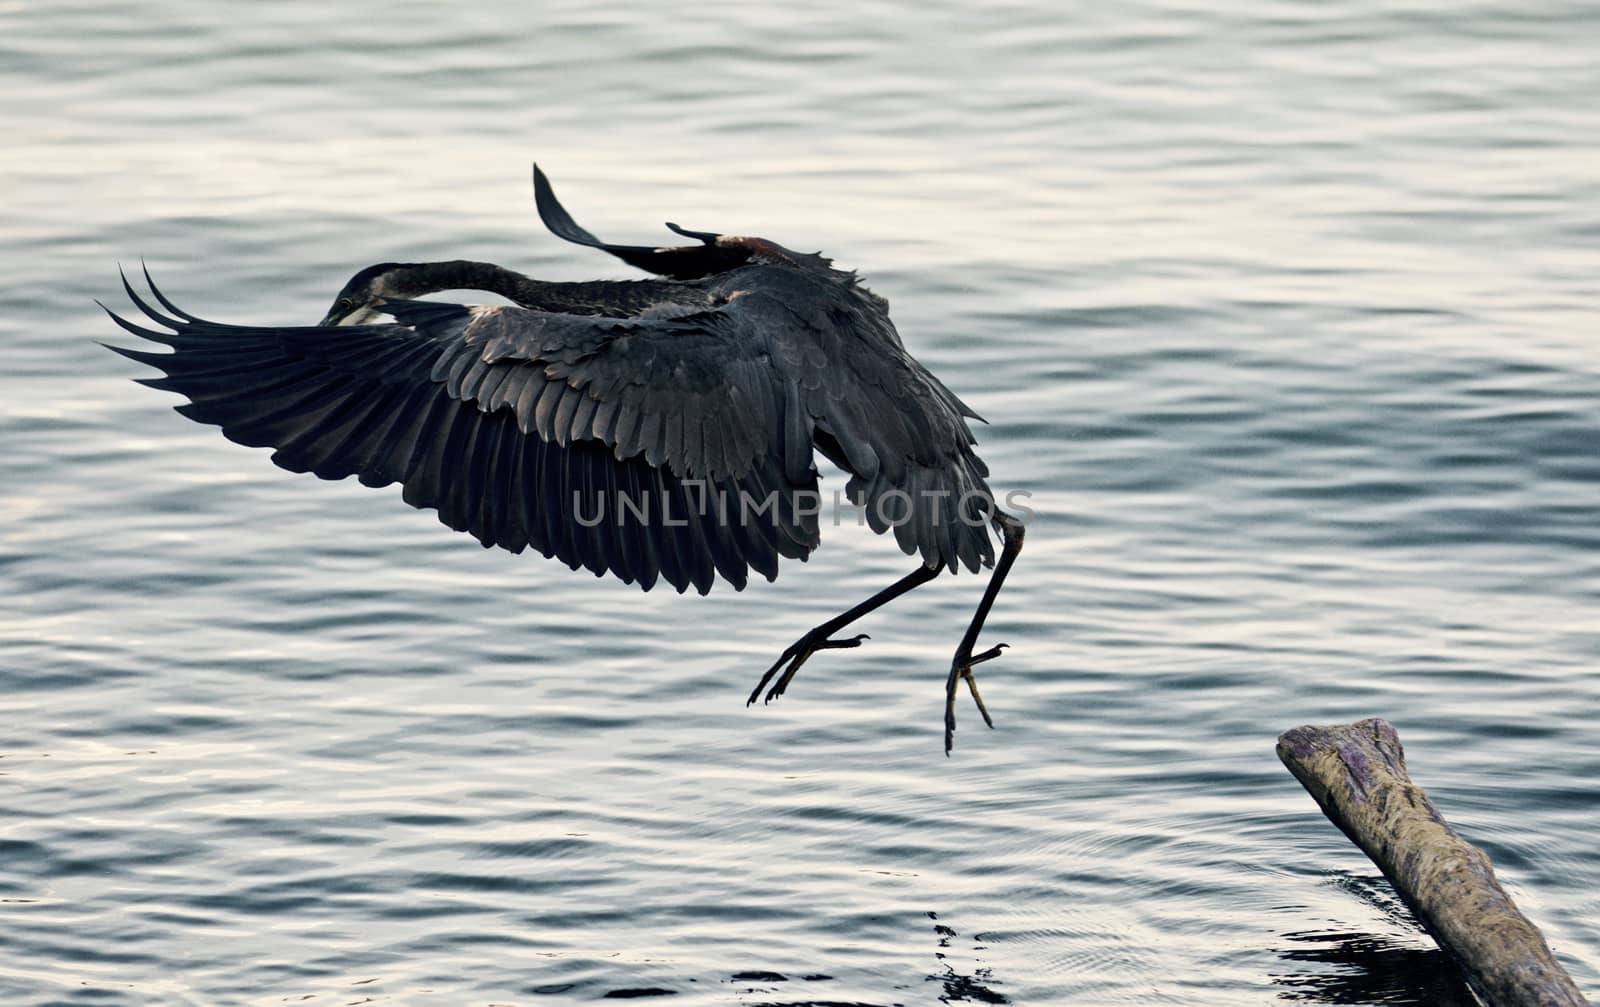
1357,774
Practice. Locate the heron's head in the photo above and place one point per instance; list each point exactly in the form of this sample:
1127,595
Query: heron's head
357,301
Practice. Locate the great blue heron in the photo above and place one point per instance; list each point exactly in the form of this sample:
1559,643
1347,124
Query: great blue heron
704,392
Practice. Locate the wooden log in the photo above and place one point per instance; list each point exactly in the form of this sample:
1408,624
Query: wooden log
1357,774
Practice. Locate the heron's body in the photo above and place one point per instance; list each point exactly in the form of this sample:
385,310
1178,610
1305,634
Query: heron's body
659,429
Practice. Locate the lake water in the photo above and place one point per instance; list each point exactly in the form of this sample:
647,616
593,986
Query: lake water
1282,313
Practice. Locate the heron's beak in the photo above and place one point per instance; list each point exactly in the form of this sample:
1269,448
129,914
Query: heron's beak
354,316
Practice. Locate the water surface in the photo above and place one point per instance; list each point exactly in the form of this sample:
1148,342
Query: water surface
1282,314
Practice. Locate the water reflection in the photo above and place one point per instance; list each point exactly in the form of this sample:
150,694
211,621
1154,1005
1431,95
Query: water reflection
959,987
1371,969
1405,967
956,986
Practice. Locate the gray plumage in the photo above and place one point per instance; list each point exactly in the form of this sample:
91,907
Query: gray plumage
723,377
731,379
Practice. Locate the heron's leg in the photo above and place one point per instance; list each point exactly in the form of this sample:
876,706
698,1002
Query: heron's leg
1011,533
817,639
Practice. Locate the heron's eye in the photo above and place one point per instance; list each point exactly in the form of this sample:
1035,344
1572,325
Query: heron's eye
345,302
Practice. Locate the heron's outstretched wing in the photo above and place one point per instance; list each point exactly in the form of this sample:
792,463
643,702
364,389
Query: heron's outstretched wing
502,447
687,262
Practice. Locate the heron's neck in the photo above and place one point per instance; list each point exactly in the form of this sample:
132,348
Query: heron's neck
620,298
423,278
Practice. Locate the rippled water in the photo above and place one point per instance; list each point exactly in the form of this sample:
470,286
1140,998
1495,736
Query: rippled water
1283,313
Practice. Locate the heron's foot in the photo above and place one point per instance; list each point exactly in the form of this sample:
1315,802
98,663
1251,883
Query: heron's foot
792,658
961,669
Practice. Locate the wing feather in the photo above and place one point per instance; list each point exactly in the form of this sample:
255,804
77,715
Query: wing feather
496,416
376,402
851,389
578,427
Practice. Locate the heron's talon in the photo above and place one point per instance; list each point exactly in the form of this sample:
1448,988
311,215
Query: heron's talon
854,641
988,655
793,657
961,670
